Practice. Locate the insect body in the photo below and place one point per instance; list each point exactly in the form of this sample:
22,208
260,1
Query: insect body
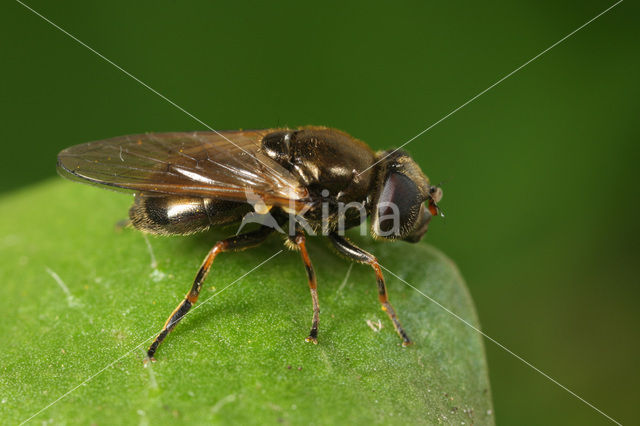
305,181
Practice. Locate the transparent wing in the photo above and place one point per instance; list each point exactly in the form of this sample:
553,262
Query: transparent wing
201,164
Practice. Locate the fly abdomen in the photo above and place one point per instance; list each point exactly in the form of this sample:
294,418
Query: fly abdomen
166,215
169,215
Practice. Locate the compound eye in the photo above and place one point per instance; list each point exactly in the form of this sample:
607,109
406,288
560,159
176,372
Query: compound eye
398,206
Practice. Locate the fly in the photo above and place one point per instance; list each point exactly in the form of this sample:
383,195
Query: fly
305,181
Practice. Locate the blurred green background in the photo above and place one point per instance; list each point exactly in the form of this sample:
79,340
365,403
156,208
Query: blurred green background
541,171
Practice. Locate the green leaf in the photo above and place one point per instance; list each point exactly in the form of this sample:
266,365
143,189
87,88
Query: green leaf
81,301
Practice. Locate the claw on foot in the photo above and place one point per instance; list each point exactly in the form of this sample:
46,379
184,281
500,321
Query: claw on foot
147,360
311,339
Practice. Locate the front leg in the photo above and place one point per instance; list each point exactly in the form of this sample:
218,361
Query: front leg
353,252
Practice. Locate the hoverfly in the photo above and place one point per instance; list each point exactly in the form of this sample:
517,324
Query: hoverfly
184,183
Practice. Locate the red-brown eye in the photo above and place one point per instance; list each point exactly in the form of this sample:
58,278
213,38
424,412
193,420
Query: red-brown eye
398,205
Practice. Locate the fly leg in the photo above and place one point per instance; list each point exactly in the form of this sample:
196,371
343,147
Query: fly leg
353,252
300,241
239,242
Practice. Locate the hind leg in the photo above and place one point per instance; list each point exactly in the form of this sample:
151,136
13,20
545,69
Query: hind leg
239,242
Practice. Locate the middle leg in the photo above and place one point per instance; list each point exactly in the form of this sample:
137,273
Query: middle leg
300,241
